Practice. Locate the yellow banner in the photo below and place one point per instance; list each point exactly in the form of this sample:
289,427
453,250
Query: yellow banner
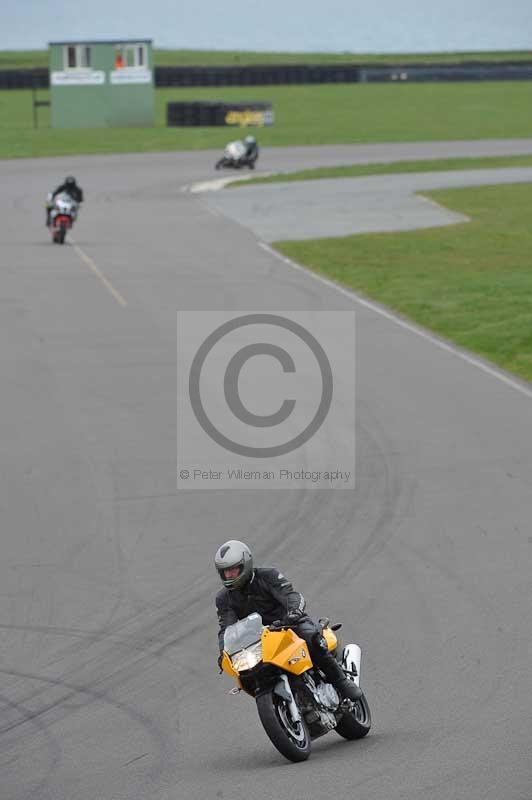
249,117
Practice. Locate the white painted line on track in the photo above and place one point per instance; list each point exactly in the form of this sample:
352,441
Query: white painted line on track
220,183
99,274
212,211
448,348
210,186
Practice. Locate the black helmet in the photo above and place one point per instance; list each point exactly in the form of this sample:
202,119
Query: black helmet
70,181
234,554
249,140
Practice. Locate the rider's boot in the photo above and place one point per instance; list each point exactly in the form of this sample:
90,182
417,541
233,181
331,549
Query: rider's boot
348,690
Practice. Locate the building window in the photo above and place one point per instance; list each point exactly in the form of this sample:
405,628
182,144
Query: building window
77,56
85,57
130,55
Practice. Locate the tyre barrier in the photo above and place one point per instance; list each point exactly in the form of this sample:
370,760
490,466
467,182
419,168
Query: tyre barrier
277,75
256,75
285,74
215,113
447,72
24,78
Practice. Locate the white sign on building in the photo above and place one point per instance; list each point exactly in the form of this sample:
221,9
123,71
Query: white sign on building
78,77
130,75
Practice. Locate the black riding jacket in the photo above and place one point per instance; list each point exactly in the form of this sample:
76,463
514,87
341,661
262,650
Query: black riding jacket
252,151
75,191
268,593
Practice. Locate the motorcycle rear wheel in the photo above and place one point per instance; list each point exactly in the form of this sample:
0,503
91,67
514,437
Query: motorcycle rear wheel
357,723
291,740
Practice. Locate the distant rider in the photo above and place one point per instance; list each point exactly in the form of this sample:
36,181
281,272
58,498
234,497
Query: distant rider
70,187
252,148
266,591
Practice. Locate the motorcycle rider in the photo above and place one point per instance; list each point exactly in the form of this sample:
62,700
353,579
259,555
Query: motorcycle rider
252,148
70,187
267,591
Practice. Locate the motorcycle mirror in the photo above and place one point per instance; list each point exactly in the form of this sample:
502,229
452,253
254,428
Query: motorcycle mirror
336,627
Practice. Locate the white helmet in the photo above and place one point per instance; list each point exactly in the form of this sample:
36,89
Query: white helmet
234,554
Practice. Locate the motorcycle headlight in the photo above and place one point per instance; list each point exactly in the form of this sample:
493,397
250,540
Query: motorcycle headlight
247,659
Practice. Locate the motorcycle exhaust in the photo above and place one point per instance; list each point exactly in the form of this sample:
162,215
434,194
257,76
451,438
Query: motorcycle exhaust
351,659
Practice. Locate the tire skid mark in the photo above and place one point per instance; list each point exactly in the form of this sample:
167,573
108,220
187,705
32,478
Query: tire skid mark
90,694
51,743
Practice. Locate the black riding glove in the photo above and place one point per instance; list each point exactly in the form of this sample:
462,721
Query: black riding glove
294,617
220,659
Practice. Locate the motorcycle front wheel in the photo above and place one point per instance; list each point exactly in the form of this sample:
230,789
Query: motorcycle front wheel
357,723
291,739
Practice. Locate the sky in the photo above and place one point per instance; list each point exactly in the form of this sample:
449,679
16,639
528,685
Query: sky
381,26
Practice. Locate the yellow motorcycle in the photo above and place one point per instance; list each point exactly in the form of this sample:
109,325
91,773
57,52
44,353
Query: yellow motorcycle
295,703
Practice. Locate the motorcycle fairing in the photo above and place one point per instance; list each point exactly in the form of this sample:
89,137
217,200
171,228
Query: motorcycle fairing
330,638
286,650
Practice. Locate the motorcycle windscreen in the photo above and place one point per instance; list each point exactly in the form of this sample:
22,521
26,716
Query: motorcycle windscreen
235,149
243,633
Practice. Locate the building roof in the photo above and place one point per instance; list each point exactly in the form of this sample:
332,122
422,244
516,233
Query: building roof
103,41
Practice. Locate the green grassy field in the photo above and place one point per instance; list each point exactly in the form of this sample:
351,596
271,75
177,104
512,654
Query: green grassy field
391,168
471,283
21,59
323,114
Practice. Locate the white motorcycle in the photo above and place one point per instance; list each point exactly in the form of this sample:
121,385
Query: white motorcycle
62,213
235,156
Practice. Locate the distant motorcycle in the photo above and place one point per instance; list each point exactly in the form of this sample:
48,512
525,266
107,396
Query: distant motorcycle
63,211
236,156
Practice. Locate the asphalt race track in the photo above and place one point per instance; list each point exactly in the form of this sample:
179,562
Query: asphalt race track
108,681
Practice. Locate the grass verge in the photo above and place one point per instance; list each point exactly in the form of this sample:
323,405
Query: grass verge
392,168
23,59
324,114
471,283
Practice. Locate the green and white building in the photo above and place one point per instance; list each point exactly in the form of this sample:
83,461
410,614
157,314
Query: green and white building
102,84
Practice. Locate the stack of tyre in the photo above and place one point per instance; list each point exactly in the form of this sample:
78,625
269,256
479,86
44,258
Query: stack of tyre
24,78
